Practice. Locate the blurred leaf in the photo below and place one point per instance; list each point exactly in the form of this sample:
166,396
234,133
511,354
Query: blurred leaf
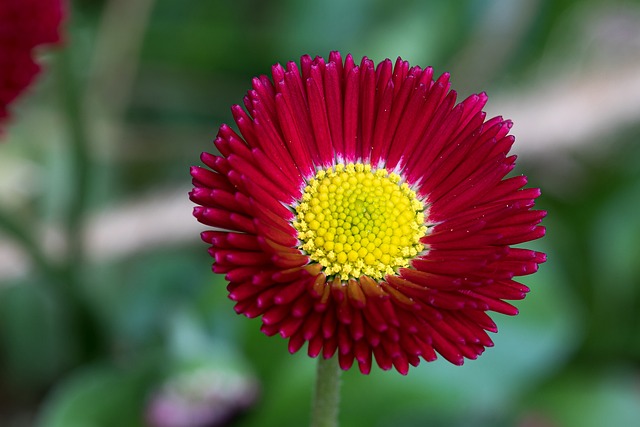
206,35
99,396
590,398
593,227
138,296
616,250
35,344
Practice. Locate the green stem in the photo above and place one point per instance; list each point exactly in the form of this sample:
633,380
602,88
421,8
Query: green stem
79,156
327,394
79,310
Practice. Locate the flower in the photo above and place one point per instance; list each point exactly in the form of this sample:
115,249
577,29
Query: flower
202,396
361,211
24,25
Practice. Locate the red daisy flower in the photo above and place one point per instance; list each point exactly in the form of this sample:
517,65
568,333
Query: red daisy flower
361,211
24,25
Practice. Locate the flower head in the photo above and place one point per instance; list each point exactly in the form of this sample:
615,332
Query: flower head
362,211
24,25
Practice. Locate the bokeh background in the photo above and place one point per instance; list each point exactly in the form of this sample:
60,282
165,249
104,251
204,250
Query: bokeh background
109,313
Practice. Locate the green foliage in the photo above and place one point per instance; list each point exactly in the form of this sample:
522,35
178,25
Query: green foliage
99,396
570,358
35,344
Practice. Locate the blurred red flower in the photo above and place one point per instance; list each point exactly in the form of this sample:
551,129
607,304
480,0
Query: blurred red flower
24,25
361,210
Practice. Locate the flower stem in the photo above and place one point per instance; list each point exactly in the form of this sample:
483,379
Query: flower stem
327,394
80,178
79,170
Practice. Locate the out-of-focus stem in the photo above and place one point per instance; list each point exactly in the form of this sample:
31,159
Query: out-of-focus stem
116,56
78,153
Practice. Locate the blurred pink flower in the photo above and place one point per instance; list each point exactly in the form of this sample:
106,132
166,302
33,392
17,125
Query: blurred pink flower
24,25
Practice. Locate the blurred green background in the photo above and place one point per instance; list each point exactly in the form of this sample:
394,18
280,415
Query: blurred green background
109,314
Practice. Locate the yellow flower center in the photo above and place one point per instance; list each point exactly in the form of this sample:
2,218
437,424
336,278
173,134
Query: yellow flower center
356,221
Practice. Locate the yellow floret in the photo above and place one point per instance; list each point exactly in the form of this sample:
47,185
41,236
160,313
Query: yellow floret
353,220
